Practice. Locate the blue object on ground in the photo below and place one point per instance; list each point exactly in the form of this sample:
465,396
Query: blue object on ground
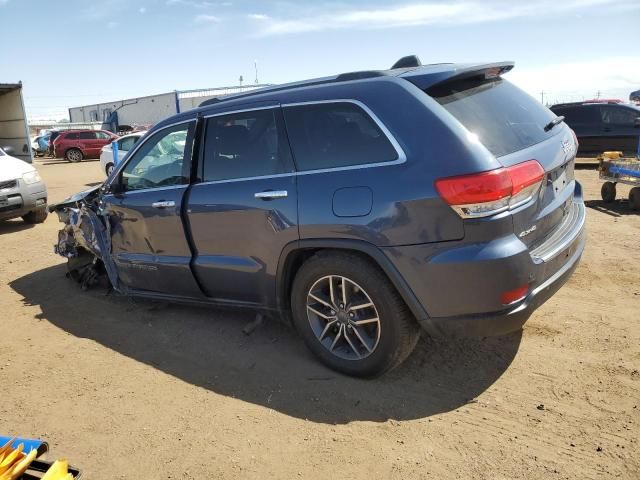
29,444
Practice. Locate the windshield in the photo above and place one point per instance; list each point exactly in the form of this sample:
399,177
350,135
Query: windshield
504,118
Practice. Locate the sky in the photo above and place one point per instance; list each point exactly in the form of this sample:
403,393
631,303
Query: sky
76,52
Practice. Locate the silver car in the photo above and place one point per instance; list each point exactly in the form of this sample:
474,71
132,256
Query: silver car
22,191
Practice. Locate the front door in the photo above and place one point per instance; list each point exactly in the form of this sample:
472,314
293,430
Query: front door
244,211
620,129
148,240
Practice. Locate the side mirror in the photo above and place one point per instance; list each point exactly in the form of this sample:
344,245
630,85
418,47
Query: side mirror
118,186
9,150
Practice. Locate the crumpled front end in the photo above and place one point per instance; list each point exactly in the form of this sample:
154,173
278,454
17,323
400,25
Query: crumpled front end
85,240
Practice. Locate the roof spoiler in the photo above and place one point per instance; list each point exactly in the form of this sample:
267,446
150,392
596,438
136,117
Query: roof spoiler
427,79
410,61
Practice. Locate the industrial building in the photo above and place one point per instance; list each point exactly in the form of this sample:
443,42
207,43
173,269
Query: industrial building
150,109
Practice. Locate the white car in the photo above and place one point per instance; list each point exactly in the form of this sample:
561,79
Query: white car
125,143
22,191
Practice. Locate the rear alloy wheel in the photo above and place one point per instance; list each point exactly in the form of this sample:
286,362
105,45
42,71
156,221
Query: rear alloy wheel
350,316
73,155
608,192
634,198
109,169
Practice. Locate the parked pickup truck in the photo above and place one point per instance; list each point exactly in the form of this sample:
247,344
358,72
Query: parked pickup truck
360,207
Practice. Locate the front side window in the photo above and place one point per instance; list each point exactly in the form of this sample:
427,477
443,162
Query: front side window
331,135
244,145
126,144
163,160
102,136
619,116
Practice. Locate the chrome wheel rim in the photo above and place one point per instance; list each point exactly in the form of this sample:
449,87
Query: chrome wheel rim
74,155
343,317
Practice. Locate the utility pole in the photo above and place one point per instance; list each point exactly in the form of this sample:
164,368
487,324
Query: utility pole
542,96
598,94
255,65
240,80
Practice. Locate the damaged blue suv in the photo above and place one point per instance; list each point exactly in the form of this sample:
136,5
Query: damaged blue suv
359,207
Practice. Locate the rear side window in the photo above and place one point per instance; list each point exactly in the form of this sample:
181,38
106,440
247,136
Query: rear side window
102,135
244,145
504,118
87,136
71,136
330,135
583,115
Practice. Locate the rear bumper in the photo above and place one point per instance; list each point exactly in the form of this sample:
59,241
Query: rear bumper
500,323
459,285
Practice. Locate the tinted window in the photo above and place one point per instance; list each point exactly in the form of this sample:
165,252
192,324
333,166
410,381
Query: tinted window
71,136
248,144
504,118
619,116
87,136
162,161
102,135
127,143
330,135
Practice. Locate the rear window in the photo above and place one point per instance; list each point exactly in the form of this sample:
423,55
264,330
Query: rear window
504,118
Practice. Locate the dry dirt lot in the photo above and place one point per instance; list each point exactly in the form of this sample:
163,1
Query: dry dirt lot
141,390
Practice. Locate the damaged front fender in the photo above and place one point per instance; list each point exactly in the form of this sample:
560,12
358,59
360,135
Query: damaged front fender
85,239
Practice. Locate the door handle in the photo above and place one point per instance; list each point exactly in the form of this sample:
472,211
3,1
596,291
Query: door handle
271,194
164,204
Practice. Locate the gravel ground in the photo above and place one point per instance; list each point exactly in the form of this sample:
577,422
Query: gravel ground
134,389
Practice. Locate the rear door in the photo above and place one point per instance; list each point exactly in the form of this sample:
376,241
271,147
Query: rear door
244,210
88,143
148,239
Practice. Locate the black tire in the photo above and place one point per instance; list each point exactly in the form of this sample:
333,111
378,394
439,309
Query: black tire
634,198
73,155
109,168
398,332
37,216
608,192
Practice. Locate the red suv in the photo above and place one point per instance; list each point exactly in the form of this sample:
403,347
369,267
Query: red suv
75,145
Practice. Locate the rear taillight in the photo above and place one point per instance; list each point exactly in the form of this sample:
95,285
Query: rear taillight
489,193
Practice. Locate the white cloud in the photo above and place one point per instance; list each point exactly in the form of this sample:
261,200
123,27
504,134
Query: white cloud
206,19
458,12
191,3
612,77
3,2
258,16
112,24
142,10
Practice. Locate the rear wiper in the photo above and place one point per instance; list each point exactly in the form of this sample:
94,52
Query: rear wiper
553,123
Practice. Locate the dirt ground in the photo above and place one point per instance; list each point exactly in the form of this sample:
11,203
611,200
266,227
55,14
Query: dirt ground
142,390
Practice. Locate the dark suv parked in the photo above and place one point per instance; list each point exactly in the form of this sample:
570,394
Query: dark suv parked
602,126
358,206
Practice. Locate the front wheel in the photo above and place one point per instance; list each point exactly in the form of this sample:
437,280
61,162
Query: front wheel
109,169
350,315
634,198
608,192
37,216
